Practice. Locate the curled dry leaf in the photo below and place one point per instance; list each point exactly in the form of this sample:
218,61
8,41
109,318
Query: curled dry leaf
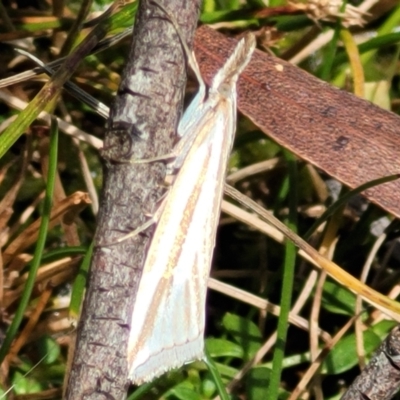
56,272
349,138
29,235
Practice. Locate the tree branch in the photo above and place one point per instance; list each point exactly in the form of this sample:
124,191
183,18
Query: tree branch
142,124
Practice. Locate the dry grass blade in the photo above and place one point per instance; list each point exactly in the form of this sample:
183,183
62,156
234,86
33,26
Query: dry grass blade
262,304
317,362
383,303
33,320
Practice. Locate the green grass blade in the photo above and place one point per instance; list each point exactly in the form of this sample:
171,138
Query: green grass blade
216,375
287,283
51,176
79,285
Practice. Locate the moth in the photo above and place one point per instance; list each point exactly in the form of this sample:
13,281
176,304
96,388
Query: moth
169,313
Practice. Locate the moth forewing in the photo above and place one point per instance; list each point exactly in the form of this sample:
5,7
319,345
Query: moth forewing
169,313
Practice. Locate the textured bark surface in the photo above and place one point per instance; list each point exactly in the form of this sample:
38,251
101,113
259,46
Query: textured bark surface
142,124
380,379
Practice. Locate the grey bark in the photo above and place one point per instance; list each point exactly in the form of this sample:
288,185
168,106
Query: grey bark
142,124
380,379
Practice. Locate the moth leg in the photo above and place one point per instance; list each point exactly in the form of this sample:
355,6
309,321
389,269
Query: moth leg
151,221
169,156
134,233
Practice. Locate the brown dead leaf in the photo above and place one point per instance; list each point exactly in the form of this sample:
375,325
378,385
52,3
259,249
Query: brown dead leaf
349,138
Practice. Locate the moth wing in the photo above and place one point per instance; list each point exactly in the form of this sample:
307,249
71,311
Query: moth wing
169,316
152,329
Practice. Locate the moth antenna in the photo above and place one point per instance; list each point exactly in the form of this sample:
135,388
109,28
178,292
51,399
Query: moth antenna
190,59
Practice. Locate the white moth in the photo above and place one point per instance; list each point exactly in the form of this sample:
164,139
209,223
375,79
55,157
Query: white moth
169,313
